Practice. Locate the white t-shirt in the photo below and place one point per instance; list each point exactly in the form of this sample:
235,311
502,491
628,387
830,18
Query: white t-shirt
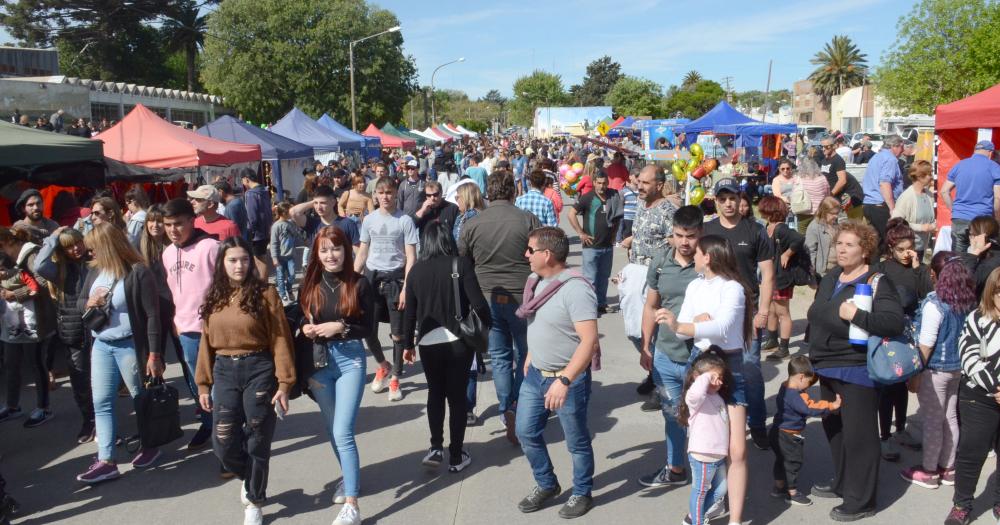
845,153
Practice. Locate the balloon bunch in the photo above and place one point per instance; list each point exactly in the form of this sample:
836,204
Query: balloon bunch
698,167
569,177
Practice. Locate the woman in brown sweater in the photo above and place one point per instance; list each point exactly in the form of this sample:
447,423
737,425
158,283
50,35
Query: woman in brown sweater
246,367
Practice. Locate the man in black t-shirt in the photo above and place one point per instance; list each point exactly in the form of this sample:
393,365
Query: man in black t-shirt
754,251
602,210
843,186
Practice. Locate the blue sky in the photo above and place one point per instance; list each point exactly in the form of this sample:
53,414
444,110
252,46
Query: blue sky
656,39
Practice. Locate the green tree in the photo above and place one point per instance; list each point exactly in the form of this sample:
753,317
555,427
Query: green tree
840,65
755,98
693,103
602,74
635,96
184,30
266,56
691,80
539,89
99,39
945,50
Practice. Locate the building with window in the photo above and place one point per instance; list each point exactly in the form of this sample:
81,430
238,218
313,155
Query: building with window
28,62
808,106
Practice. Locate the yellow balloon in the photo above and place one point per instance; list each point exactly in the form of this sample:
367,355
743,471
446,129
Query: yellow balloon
682,163
678,171
696,151
681,176
697,195
577,167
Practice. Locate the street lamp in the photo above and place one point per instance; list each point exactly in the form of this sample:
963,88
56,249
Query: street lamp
354,123
433,113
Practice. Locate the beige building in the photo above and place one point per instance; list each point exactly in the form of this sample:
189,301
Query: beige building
807,106
857,109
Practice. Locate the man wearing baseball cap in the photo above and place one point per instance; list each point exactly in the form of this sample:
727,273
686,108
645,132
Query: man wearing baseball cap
411,189
205,201
976,181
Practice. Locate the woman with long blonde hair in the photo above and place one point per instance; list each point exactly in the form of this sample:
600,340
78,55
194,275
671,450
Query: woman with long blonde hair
127,344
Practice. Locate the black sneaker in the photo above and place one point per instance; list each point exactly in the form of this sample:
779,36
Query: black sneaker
824,490
958,516
458,464
87,432
536,500
779,493
646,387
839,514
779,354
433,458
759,438
200,439
8,414
652,404
38,417
799,499
602,309
663,478
576,506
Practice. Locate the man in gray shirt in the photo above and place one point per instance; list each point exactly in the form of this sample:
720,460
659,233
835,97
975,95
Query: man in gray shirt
561,308
495,241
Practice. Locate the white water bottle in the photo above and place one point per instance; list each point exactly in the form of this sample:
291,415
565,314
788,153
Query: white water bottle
863,300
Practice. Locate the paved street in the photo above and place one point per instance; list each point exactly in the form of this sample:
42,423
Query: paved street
40,464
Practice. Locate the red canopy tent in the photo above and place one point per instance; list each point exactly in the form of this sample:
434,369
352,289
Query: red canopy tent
957,125
389,141
617,121
143,138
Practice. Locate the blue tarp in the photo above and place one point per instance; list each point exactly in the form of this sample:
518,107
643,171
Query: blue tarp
297,126
272,145
368,143
653,130
756,129
721,114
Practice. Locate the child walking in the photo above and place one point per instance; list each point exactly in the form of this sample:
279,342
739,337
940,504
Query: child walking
285,236
794,407
706,392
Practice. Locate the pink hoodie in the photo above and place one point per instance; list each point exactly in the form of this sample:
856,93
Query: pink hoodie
708,423
189,275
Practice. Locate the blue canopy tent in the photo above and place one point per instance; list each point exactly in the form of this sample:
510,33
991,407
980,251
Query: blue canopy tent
371,147
623,127
273,147
721,114
748,135
297,126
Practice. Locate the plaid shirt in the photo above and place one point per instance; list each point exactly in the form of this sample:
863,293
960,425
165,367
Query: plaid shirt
541,207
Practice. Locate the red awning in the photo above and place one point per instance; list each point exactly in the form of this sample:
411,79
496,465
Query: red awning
143,138
388,141
981,110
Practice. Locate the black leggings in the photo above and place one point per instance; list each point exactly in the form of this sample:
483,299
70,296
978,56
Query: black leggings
14,354
79,378
446,367
853,436
890,398
978,422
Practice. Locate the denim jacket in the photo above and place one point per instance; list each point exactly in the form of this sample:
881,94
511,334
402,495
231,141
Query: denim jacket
945,357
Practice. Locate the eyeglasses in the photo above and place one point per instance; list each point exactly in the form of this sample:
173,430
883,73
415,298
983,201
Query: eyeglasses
532,251
786,168
429,195
828,146
97,213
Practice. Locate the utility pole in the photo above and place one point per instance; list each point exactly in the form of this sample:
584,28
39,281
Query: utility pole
729,90
767,90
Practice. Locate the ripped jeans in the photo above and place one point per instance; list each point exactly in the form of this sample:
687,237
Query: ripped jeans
244,418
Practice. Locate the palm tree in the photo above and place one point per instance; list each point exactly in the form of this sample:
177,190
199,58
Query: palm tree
841,66
691,79
184,31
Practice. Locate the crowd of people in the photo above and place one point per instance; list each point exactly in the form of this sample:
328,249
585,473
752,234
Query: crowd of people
59,122
459,249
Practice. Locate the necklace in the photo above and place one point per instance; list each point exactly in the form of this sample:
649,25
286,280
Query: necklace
333,289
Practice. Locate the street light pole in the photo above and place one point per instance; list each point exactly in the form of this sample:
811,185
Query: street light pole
354,121
433,111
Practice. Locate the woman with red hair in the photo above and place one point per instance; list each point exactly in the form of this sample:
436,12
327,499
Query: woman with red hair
337,304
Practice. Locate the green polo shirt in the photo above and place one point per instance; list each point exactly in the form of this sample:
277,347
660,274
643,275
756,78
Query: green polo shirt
670,280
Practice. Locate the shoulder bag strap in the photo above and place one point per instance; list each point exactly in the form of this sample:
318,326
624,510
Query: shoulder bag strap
454,288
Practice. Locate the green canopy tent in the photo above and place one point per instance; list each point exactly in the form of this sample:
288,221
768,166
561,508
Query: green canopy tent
50,158
389,129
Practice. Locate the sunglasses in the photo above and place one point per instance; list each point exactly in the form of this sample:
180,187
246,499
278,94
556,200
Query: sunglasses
828,147
532,251
429,195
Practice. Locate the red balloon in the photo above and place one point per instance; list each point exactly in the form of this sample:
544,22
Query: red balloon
699,173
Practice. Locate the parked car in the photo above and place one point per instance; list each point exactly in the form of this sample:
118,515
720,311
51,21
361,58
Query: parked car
876,139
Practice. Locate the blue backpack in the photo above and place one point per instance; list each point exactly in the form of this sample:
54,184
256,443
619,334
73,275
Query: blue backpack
893,359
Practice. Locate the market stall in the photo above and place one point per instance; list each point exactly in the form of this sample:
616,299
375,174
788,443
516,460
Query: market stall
39,156
388,141
327,146
388,128
958,126
371,146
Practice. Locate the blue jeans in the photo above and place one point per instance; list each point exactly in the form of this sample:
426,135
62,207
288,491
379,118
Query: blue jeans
668,376
110,360
735,363
508,348
189,346
284,277
597,270
708,487
337,389
470,390
532,417
754,385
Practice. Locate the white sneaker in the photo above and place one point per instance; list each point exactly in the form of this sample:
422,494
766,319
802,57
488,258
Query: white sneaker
243,494
348,515
338,493
395,394
253,515
381,380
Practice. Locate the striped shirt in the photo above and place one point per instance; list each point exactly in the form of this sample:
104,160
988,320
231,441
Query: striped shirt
630,199
979,347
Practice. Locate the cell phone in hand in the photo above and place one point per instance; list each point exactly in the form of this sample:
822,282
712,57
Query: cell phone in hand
278,411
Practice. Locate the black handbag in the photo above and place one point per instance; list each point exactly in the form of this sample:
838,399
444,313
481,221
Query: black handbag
473,330
96,317
158,412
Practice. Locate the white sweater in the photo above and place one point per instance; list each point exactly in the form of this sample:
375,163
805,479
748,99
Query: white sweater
724,301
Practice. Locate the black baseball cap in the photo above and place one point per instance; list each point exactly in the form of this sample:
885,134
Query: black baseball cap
727,184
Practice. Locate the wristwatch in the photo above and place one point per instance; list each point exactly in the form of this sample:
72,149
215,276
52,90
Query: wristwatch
564,380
